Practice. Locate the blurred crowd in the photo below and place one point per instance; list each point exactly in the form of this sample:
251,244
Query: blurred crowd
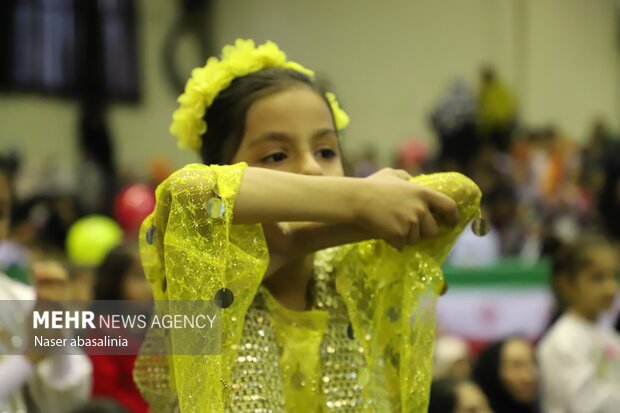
540,188
56,246
542,192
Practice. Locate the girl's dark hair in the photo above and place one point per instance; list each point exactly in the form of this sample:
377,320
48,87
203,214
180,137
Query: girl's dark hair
443,395
111,273
226,116
572,257
566,261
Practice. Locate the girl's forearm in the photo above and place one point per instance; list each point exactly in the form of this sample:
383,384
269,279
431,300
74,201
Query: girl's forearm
273,196
309,237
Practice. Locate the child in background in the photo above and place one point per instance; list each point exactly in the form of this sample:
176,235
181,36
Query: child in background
507,373
579,359
119,277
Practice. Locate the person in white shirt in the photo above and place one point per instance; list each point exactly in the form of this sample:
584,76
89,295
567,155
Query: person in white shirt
55,384
579,358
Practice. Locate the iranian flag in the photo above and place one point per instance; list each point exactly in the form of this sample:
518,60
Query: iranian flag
492,302
489,303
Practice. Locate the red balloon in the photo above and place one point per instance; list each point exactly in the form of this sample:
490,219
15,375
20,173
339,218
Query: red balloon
132,204
413,152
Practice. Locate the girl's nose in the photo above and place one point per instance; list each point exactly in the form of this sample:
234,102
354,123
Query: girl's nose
309,166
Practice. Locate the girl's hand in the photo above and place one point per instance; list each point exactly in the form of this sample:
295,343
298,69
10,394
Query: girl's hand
401,212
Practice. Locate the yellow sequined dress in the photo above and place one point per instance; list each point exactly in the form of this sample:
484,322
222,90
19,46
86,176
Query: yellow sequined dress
366,345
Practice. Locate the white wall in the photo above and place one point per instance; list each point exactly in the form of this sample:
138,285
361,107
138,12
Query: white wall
573,71
389,62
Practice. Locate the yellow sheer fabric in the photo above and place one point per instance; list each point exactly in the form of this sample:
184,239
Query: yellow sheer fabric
365,347
299,334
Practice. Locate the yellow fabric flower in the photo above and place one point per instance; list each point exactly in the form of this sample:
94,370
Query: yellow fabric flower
240,59
340,117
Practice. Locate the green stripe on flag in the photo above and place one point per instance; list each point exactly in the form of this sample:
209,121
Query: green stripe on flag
510,272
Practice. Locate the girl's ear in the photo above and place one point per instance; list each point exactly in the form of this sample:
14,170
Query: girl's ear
565,285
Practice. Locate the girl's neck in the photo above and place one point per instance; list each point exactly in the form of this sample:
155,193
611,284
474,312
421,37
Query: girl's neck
592,318
290,284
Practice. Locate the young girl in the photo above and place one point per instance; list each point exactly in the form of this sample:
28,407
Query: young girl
119,277
270,228
580,360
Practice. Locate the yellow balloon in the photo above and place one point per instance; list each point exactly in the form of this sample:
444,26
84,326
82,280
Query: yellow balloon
90,238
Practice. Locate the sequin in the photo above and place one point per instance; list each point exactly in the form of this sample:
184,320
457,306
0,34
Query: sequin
480,227
444,288
215,207
392,314
224,298
350,332
150,234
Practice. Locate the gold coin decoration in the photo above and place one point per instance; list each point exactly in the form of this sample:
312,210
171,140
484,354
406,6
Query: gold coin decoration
444,288
480,227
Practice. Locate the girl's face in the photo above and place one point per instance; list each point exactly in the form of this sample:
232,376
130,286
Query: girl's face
593,289
291,131
518,371
470,399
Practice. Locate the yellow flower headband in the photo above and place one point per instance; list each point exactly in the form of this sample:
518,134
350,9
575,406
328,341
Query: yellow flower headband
207,82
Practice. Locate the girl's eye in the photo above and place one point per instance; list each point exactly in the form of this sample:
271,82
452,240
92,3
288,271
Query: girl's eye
327,153
274,157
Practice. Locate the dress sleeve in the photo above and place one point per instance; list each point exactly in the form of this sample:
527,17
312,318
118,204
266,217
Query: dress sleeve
191,251
391,296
